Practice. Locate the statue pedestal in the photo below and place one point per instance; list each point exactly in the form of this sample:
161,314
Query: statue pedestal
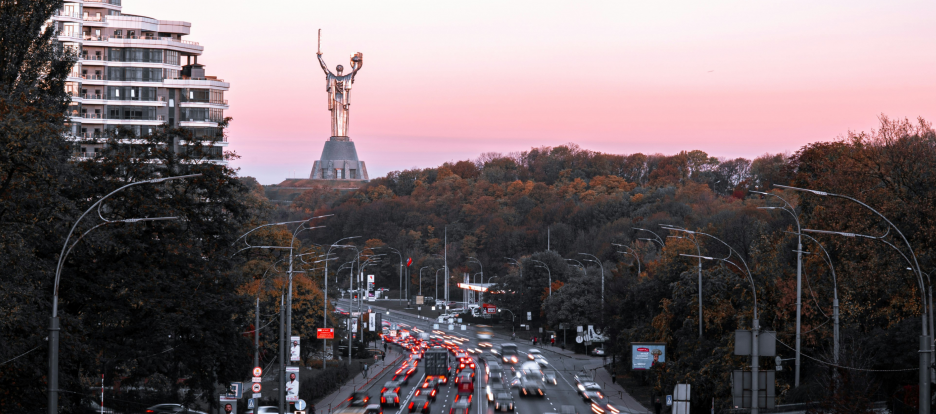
339,161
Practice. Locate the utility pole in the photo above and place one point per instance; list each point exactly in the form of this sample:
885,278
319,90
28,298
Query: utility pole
281,372
445,252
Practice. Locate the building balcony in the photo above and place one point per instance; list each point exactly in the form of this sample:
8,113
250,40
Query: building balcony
198,123
218,103
62,15
110,4
210,82
186,46
95,99
158,119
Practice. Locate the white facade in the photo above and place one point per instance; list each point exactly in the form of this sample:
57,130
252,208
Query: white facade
136,73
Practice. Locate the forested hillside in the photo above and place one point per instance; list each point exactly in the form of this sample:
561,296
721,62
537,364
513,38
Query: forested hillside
614,206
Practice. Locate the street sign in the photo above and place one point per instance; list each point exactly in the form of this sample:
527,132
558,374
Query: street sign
258,372
300,405
257,379
257,396
237,390
741,389
325,333
251,404
669,400
372,321
256,387
766,343
579,329
579,339
419,300
529,316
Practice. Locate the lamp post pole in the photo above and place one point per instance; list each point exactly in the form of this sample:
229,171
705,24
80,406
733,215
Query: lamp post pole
835,301
401,270
325,301
54,329
799,275
601,266
513,319
420,279
543,265
755,323
699,266
473,294
925,338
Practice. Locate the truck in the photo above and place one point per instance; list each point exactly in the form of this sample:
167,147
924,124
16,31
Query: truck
436,361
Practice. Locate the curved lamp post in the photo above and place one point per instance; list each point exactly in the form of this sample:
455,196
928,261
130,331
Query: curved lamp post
595,260
401,269
755,323
835,301
543,265
925,339
695,241
579,264
656,237
799,274
66,248
632,252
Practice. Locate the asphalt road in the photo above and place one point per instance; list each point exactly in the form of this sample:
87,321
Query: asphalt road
563,393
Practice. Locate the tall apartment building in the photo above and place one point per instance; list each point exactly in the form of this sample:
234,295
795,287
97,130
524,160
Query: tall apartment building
136,73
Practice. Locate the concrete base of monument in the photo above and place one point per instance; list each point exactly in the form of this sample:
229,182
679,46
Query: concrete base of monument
339,161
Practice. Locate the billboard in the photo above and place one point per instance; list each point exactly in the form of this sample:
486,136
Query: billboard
325,333
292,384
645,354
294,348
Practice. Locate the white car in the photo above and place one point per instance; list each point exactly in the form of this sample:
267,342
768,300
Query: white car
533,353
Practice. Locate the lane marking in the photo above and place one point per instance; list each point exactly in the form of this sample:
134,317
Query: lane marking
412,391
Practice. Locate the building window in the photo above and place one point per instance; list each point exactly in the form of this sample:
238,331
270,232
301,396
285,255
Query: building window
352,174
338,175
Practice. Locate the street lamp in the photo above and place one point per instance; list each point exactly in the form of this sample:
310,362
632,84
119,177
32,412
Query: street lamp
698,268
513,320
925,339
420,279
799,274
579,264
835,301
475,259
543,265
401,270
601,266
755,323
656,237
632,252
437,284
66,249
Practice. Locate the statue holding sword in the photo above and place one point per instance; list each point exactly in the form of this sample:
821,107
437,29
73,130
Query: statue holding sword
338,87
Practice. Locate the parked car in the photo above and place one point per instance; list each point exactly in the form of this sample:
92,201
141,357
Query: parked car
598,352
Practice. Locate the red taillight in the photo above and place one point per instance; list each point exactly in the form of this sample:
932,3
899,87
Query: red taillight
396,400
433,393
150,411
411,405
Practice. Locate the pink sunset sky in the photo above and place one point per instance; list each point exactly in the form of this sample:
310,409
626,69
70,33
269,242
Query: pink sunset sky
449,80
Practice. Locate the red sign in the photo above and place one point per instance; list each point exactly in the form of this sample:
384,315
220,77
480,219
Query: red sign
409,261
255,387
643,349
325,333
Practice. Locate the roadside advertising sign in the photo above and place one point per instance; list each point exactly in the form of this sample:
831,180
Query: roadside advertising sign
645,354
325,333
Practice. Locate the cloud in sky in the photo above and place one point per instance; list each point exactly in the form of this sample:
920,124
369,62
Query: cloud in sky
448,80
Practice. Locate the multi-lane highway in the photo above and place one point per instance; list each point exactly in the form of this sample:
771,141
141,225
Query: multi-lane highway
564,392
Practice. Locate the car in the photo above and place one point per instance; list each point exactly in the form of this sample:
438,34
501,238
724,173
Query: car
550,377
390,399
531,383
592,396
358,399
583,376
383,290
266,409
604,407
533,353
392,386
598,352
541,360
492,389
461,405
429,393
431,382
419,403
171,409
503,401
587,386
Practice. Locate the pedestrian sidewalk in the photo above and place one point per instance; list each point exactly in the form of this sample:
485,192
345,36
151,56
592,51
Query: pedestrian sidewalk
335,400
616,393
